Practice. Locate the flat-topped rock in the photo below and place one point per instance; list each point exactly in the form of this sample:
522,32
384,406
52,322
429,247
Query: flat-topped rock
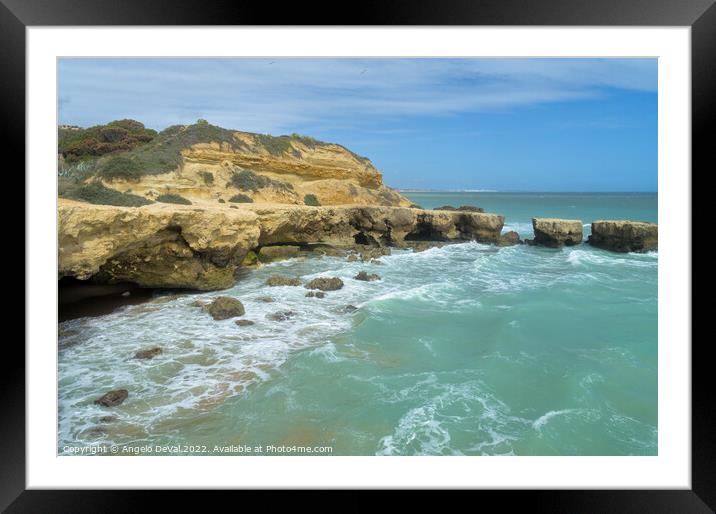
624,235
555,232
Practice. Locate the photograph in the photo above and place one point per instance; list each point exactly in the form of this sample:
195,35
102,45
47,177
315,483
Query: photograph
357,256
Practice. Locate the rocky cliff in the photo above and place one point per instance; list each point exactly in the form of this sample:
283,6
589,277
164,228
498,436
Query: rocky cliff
206,164
553,232
624,236
195,247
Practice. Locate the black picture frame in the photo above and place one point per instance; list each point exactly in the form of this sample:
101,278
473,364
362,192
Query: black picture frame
700,15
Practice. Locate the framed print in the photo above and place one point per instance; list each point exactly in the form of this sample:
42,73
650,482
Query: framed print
417,252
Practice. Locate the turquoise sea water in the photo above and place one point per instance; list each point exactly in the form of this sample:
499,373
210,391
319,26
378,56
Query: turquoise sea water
467,349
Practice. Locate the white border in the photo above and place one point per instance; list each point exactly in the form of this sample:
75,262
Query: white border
671,468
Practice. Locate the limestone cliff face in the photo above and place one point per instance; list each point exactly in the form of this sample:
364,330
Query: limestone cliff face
273,170
370,225
625,236
157,246
201,248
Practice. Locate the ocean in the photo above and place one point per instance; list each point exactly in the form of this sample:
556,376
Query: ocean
467,349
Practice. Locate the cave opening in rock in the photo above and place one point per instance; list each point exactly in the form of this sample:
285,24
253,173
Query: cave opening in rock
361,238
425,231
79,298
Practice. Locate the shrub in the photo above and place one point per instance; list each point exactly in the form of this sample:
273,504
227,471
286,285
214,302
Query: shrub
275,145
239,198
163,154
207,176
97,193
246,180
76,170
76,143
121,167
310,199
173,198
307,141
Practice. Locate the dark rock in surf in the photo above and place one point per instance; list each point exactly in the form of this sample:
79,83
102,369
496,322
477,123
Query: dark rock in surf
112,398
225,307
325,283
366,277
148,354
281,316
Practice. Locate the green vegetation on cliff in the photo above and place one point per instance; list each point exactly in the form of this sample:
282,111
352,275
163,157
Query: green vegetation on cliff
96,193
127,150
173,198
239,198
163,154
76,144
311,199
246,180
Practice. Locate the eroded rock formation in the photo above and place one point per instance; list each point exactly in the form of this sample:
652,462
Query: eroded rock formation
554,232
157,246
624,236
193,247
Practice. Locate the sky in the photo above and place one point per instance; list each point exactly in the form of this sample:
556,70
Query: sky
492,124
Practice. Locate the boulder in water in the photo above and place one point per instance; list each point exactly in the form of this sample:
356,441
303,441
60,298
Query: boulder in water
281,315
553,232
278,280
112,398
148,354
325,283
366,277
225,307
509,239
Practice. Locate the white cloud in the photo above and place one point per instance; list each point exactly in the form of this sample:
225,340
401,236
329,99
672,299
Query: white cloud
279,95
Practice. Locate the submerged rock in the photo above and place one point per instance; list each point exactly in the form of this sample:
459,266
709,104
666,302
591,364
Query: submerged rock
325,283
315,294
148,354
244,322
225,307
509,239
264,299
107,419
349,308
553,232
199,303
112,398
366,277
279,280
281,315
624,236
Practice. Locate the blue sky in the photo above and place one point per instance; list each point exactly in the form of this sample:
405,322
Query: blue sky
500,124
